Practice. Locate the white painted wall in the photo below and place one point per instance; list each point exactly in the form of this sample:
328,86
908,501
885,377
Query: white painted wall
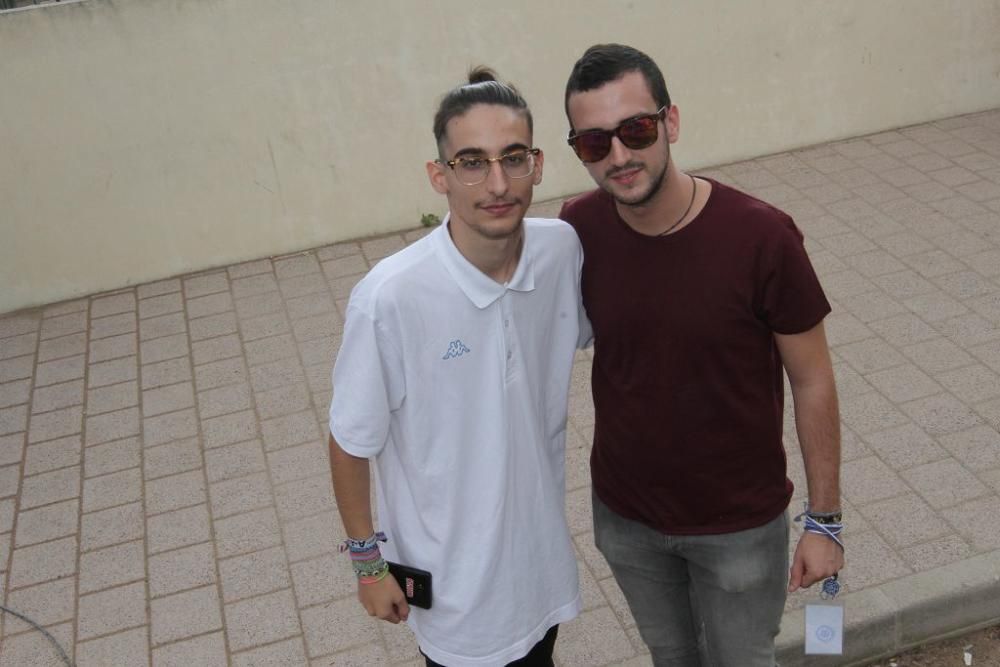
141,139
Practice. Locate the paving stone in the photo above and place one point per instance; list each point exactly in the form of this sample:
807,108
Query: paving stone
870,355
240,495
978,521
323,579
208,283
289,430
234,461
17,346
873,562
172,458
170,493
213,326
224,400
160,305
13,420
904,383
184,615
124,345
935,306
59,370
288,652
113,397
253,285
115,325
248,532
112,372
46,604
117,488
868,480
158,287
254,574
270,349
33,649
71,323
207,649
941,414
282,401
9,480
905,520
162,349
944,483
265,619
299,462
166,372
43,562
179,528
64,346
111,526
229,429
112,566
126,648
977,448
905,329
47,523
593,638
311,304
935,553
869,412
50,487
304,497
356,629
112,426
123,302
971,384
14,325
170,398
112,457
969,329
213,349
164,325
220,373
276,374
171,426
48,456
12,449
181,569
313,536
261,304
905,446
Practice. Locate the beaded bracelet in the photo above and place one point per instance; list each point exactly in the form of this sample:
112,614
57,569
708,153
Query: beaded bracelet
366,559
831,525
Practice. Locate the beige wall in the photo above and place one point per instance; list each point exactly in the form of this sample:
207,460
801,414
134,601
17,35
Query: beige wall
145,138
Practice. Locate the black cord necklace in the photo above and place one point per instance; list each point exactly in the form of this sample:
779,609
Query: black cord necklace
694,190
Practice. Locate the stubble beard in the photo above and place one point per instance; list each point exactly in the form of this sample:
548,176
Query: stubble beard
657,183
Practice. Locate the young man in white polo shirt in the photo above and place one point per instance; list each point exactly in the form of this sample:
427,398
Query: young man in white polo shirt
453,376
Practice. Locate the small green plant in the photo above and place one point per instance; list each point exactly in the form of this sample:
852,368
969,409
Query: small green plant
430,220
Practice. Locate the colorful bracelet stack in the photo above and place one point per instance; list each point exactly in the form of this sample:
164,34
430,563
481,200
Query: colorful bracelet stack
366,559
830,524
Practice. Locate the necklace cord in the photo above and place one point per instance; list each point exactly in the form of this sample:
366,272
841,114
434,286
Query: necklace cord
694,191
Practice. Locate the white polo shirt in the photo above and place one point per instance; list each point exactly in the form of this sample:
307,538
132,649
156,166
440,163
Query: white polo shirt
458,386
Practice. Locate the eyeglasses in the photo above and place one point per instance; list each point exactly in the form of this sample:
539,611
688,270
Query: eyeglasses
636,133
473,170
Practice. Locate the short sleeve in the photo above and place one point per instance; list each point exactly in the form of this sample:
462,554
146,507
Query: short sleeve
790,296
368,384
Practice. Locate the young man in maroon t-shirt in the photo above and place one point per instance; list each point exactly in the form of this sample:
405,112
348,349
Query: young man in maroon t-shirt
699,296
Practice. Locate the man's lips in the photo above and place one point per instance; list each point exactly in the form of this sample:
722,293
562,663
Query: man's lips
625,176
499,208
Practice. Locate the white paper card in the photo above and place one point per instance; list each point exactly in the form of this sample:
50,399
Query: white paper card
824,629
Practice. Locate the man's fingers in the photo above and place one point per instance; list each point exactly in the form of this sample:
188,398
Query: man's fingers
795,576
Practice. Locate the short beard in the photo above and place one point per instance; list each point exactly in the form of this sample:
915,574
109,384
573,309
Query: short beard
658,183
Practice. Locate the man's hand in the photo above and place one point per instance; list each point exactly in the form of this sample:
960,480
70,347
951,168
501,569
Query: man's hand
816,558
384,599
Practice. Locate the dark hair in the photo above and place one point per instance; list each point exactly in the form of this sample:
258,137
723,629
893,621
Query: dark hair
604,63
482,88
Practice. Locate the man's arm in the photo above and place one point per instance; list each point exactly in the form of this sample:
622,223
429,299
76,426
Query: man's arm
351,487
806,359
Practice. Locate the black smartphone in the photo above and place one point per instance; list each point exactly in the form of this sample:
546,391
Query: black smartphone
416,584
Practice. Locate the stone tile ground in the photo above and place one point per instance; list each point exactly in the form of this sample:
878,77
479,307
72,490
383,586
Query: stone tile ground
164,491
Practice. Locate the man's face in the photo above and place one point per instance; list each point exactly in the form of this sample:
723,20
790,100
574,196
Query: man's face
495,208
632,177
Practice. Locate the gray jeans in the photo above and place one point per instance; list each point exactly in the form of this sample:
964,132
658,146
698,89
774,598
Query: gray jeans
700,600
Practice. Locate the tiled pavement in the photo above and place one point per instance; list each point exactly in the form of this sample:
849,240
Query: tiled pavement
164,490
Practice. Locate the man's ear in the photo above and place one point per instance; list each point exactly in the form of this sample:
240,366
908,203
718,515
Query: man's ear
437,177
673,123
539,160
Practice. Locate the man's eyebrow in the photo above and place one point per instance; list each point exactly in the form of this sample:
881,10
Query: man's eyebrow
623,120
465,152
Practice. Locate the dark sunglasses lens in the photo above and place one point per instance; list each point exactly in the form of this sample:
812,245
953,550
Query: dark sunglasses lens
638,132
592,146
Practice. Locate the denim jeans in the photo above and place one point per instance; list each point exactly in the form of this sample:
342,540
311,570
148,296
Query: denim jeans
700,600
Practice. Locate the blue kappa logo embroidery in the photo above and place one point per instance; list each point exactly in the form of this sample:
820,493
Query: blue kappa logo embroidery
455,349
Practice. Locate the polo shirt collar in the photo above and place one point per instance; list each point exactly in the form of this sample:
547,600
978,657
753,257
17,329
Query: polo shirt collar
480,288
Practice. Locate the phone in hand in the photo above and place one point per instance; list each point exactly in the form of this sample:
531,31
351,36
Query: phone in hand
416,584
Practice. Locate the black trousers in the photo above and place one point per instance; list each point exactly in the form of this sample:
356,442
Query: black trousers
540,654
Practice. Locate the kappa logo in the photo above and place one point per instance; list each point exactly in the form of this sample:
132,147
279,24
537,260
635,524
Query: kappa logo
456,348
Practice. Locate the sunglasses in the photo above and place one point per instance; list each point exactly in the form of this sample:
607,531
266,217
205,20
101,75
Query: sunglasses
635,133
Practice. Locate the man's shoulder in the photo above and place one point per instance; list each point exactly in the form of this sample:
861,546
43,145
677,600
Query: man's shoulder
747,205
394,273
581,207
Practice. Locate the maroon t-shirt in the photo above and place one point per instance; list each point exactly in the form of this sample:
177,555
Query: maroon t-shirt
687,379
